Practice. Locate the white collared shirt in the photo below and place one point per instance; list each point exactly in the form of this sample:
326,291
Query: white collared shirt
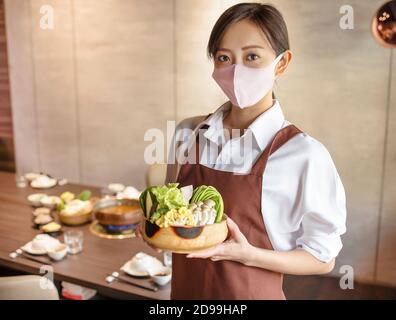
303,199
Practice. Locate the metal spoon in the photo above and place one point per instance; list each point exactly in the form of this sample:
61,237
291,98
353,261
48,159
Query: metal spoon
14,255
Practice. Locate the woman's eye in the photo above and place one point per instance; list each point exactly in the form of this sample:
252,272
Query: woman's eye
252,57
223,58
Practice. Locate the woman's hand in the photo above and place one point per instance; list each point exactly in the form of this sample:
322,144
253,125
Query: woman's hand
138,233
236,248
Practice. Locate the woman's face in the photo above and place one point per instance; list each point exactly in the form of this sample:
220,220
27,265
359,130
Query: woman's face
244,43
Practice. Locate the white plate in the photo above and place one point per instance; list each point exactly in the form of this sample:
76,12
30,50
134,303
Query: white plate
46,184
127,268
29,249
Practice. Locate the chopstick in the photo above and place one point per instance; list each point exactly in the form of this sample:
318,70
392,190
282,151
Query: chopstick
29,257
140,285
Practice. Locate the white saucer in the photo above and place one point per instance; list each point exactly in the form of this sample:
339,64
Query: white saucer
127,268
29,249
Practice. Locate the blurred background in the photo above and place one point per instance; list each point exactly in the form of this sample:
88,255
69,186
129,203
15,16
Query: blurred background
76,100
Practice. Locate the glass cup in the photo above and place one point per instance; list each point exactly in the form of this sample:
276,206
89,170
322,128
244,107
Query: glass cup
168,258
74,241
21,181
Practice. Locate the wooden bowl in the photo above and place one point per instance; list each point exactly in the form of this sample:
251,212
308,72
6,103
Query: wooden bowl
184,239
75,219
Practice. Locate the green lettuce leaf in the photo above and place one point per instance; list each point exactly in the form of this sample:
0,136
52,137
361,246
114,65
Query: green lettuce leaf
169,196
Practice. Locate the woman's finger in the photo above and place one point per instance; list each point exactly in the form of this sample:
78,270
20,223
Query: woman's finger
218,258
234,230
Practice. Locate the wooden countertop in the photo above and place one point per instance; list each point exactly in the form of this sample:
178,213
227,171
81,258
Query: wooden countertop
88,268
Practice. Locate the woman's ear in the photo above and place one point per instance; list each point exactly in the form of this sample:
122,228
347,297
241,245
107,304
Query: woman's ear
284,63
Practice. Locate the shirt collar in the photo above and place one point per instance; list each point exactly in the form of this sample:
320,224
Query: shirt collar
267,124
264,127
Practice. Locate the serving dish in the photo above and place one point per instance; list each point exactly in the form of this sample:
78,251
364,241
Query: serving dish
76,212
183,220
117,212
184,239
43,182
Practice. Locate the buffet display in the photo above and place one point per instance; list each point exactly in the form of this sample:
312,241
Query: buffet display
183,219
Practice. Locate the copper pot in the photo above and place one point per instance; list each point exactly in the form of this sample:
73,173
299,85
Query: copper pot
118,212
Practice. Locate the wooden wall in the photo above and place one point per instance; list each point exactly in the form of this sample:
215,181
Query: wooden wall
6,134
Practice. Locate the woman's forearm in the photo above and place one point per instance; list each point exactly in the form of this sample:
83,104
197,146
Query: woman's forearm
296,262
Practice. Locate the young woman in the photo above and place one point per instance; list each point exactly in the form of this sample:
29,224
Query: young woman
285,201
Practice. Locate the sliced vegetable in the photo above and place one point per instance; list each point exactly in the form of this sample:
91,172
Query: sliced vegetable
85,195
60,206
67,196
187,192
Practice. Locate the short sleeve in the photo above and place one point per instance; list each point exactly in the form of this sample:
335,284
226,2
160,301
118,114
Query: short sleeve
323,205
181,139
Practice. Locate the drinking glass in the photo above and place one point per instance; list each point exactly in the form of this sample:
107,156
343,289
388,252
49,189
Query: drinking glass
74,241
21,181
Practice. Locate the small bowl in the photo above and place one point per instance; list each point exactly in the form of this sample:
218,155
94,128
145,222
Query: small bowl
58,253
35,199
50,202
41,211
42,219
163,278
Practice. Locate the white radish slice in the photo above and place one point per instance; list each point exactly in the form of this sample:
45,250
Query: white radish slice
187,192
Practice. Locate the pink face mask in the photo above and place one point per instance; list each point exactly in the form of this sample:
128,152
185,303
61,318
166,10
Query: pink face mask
246,86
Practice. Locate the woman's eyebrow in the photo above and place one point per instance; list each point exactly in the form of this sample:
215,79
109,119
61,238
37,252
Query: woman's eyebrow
252,46
244,48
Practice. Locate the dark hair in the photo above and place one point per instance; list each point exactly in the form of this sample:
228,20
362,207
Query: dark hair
265,16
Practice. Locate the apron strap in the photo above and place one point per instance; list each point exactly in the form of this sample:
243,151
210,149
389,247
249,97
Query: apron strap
281,137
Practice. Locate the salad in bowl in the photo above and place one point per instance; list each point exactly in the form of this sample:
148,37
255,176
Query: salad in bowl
183,220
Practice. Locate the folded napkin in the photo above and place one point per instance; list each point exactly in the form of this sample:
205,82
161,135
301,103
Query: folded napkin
144,263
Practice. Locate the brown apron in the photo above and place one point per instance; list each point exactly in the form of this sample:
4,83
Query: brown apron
205,279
